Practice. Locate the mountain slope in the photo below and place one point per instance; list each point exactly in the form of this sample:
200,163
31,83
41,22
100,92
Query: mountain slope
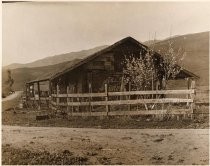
196,60
23,75
52,60
196,47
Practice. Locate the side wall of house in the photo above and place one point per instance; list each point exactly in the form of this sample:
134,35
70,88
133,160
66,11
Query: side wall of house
105,68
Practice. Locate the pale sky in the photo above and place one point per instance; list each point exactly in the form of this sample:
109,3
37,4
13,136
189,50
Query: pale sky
33,30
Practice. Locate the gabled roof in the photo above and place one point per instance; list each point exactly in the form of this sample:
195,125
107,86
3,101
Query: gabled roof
108,48
54,69
189,74
79,62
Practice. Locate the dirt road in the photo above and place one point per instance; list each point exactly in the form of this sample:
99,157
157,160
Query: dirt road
11,101
12,96
114,146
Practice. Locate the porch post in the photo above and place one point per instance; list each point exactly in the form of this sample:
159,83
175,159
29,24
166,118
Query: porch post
26,92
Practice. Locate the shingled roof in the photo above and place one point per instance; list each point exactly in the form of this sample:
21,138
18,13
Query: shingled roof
78,62
54,70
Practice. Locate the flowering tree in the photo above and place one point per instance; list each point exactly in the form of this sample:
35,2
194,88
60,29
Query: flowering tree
146,69
143,71
140,71
171,59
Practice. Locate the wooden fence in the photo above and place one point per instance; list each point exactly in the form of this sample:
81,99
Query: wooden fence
129,98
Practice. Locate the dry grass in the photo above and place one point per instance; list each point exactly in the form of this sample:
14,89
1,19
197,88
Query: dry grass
28,118
15,156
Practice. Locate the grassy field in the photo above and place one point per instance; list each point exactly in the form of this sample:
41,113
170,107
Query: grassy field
28,118
11,115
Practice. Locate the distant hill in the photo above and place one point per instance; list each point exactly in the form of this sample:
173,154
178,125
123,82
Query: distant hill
23,75
196,60
196,47
52,60
150,42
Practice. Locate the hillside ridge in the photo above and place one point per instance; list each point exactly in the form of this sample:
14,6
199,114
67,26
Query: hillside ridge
56,59
196,60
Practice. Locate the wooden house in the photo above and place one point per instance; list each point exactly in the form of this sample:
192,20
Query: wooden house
104,66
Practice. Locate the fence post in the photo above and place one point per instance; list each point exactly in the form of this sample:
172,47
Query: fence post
33,91
192,95
50,95
106,98
67,99
90,96
152,84
188,87
129,97
57,94
39,95
72,100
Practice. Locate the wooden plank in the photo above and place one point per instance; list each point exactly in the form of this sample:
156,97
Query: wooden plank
41,98
57,98
39,94
106,98
151,112
53,95
44,98
193,94
68,99
26,92
190,91
88,114
90,97
72,108
125,102
129,97
82,95
33,91
142,112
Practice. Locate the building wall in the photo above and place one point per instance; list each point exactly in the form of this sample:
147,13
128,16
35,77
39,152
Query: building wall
105,68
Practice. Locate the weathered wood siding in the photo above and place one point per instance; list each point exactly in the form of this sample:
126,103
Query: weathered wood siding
105,68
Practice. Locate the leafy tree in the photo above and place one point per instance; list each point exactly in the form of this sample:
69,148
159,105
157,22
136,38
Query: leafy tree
9,81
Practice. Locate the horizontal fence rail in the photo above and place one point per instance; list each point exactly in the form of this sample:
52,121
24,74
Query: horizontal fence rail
127,93
142,112
41,98
77,100
115,103
126,102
